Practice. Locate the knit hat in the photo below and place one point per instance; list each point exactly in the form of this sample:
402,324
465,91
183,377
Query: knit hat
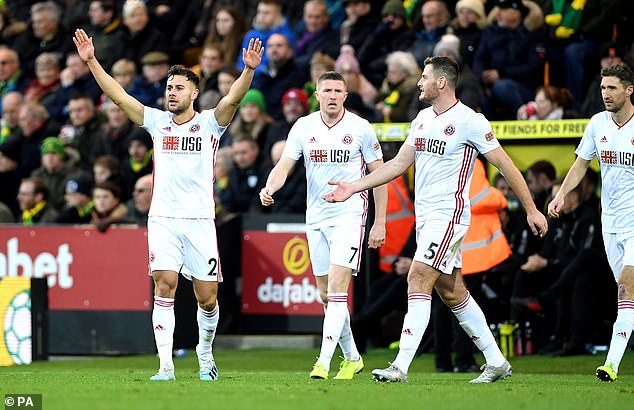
448,43
81,183
394,7
514,4
295,94
256,97
141,135
476,6
53,145
347,62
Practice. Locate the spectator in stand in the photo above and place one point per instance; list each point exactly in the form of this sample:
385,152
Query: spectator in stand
294,105
252,120
11,103
108,168
348,66
610,53
469,89
12,77
33,201
359,24
226,77
227,30
510,58
10,27
108,207
45,34
9,175
246,178
149,87
57,166
75,79
280,74
399,87
224,164
86,127
6,216
291,198
426,32
211,61
138,36
317,34
268,20
468,24
139,162
540,177
551,103
386,38
117,130
35,126
319,64
124,72
139,206
79,204
104,27
47,80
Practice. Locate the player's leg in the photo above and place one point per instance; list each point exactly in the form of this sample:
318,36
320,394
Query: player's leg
165,258
453,292
203,261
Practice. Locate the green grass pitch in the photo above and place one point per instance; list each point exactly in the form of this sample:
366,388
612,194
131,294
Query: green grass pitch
278,379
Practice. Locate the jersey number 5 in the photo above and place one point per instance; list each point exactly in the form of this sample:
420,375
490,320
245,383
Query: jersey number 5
431,251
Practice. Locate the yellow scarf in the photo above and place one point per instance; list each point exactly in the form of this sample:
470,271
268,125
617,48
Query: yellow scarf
29,214
138,166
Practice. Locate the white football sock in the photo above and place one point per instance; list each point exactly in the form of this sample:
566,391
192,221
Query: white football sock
163,323
207,323
621,333
333,325
414,326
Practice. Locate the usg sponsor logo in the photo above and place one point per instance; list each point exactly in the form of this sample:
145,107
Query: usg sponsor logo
54,267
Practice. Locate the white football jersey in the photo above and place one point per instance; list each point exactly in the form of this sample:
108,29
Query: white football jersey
184,161
614,148
337,153
446,146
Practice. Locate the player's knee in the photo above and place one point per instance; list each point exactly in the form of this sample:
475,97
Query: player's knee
324,297
207,306
163,290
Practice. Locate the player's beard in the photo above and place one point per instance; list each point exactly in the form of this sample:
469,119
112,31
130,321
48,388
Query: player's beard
428,96
179,109
616,105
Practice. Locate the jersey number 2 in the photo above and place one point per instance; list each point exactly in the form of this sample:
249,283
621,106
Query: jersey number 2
213,262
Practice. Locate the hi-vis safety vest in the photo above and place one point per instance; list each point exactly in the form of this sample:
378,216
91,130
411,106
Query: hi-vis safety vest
484,245
399,222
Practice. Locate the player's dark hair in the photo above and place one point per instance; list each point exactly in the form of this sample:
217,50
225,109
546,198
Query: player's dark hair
331,75
543,167
445,67
185,72
621,71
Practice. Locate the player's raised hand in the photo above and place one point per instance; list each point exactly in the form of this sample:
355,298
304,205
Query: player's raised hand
84,45
555,206
266,196
343,191
252,56
538,223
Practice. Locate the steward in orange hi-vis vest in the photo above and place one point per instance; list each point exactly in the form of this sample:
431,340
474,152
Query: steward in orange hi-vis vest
399,222
484,245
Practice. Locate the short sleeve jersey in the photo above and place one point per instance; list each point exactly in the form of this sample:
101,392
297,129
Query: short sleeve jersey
613,145
446,146
333,153
184,160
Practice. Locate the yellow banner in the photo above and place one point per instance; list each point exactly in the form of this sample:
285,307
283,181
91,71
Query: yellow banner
503,130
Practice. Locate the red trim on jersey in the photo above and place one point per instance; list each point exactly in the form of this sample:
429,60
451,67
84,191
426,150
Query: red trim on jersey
333,125
361,232
444,245
364,195
462,182
454,104
182,123
621,126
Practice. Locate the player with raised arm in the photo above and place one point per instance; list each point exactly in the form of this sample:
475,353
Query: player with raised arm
335,144
443,143
609,137
181,224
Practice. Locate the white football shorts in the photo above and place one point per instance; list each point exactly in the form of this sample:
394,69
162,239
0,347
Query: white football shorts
186,246
438,244
337,245
619,248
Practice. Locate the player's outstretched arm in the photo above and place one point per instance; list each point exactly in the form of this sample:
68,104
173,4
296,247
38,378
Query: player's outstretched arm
228,105
573,178
383,174
129,105
536,220
376,238
276,180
